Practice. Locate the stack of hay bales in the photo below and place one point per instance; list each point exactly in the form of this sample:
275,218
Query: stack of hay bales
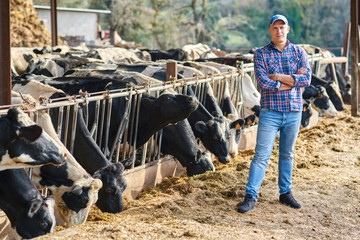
25,27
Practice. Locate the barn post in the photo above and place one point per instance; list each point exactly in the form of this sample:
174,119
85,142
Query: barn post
54,31
171,71
346,45
5,53
354,56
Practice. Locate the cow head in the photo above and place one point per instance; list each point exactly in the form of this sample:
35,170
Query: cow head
306,114
74,205
203,164
38,220
25,144
322,104
333,91
235,130
214,138
114,183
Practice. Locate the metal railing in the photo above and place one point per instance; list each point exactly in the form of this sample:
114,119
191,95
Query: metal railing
124,144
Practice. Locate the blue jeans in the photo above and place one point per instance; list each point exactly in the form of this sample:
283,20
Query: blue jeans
288,123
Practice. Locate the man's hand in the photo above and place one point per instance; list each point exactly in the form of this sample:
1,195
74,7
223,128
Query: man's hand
302,71
284,87
276,76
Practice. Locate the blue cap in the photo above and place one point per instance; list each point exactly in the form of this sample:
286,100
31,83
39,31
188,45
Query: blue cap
279,17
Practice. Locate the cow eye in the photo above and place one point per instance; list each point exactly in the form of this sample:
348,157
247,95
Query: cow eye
43,225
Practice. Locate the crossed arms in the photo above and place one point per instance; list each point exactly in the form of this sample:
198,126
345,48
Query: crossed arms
286,80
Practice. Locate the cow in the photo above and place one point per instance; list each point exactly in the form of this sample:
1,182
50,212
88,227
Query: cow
90,157
30,214
179,141
306,114
75,191
23,143
332,90
174,54
55,67
251,97
195,51
319,100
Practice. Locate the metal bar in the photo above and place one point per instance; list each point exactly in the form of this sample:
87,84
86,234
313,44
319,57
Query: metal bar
95,127
54,31
107,125
67,116
121,128
73,131
60,120
5,53
136,126
101,125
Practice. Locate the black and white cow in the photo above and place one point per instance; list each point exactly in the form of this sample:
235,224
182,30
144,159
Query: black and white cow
332,90
24,144
251,97
306,114
319,100
30,214
75,191
179,141
90,157
174,54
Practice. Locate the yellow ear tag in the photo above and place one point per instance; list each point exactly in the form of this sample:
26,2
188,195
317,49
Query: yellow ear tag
249,122
304,109
237,126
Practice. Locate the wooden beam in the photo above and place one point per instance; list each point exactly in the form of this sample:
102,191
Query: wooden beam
5,53
334,60
171,71
54,31
354,56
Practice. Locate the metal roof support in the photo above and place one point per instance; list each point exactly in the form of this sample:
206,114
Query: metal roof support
354,8
54,31
5,57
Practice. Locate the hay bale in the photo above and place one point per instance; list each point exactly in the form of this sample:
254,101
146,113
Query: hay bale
26,29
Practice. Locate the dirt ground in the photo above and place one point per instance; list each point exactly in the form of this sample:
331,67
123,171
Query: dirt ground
326,181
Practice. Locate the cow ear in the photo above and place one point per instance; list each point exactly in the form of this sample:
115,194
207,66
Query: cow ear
200,126
31,133
237,124
216,114
34,207
250,120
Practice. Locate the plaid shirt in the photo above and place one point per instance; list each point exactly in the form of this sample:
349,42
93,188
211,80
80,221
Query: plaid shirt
269,60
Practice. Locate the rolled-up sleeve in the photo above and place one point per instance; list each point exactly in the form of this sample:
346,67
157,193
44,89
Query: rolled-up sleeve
261,74
302,80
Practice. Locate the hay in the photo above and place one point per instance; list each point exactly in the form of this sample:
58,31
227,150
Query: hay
25,27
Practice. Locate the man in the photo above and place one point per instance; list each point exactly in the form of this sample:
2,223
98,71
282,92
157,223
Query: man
281,70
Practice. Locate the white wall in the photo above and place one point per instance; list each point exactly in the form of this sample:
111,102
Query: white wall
72,23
